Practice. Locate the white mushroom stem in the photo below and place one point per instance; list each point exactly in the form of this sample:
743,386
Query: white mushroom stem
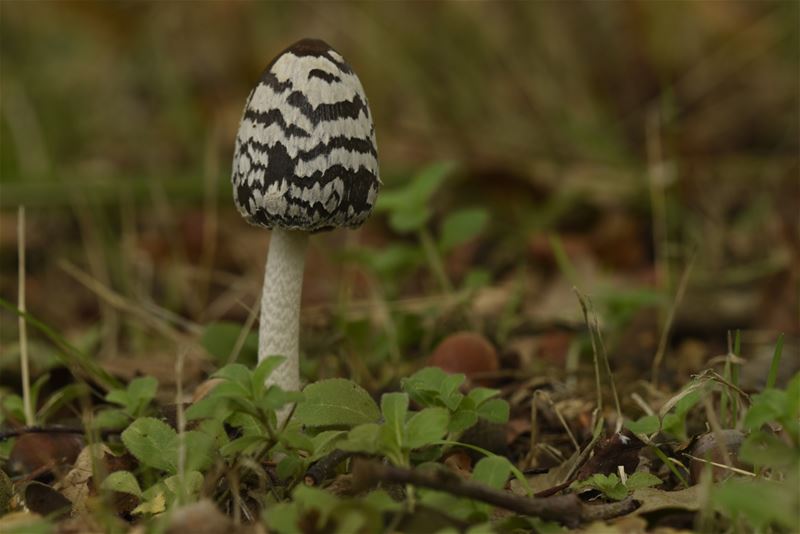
280,306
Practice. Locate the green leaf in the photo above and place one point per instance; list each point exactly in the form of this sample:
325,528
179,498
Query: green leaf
492,471
394,407
277,398
316,499
241,444
426,379
12,405
392,259
461,226
477,278
761,448
209,407
481,395
793,398
428,181
426,427
381,501
336,402
293,438
283,518
407,221
494,411
418,191
153,505
122,481
642,479
199,447
766,406
325,442
363,438
408,206
289,467
231,394
118,396
430,386
761,502
142,390
153,443
462,420
610,485
263,371
192,485
111,419
772,376
449,393
236,373
644,425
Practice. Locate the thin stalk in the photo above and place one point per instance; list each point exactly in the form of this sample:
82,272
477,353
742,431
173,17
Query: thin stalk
607,366
737,351
662,342
23,326
595,352
772,377
435,260
181,424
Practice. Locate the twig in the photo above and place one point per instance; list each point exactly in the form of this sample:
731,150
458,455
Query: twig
721,466
27,403
567,509
544,395
325,467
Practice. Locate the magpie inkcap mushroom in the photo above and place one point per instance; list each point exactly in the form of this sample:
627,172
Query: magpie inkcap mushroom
305,161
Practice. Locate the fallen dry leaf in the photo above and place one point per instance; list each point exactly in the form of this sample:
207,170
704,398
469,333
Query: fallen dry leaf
34,453
76,485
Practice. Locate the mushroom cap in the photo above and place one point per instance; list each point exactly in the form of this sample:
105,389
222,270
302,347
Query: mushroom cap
305,156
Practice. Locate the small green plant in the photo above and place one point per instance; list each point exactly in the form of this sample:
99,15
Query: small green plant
773,448
400,432
432,387
409,213
172,463
672,421
613,487
245,402
133,401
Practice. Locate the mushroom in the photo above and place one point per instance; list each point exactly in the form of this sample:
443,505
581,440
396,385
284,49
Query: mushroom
305,161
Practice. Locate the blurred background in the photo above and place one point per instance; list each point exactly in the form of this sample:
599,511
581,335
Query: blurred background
645,152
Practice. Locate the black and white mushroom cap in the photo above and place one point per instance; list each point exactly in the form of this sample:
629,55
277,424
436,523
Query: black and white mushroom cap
305,156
